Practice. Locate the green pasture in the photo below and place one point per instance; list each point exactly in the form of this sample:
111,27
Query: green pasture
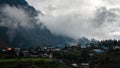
27,60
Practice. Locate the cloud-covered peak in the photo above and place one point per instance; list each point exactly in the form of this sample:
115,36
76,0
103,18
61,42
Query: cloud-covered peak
97,19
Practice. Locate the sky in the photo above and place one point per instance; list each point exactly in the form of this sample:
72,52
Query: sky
98,19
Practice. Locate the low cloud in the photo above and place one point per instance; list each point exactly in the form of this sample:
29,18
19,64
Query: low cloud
14,17
98,19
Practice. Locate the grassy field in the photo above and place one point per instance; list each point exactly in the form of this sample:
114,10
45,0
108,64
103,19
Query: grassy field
27,60
30,63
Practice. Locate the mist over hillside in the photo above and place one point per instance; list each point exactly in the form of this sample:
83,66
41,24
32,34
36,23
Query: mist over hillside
98,19
19,26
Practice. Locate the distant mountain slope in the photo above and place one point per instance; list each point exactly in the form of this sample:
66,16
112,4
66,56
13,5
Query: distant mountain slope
25,37
3,37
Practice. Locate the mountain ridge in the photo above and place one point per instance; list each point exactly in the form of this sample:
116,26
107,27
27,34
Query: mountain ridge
24,37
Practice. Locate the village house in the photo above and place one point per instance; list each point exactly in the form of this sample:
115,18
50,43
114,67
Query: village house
116,47
85,65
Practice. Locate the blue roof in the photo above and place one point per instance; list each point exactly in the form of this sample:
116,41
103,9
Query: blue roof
105,47
83,46
98,50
